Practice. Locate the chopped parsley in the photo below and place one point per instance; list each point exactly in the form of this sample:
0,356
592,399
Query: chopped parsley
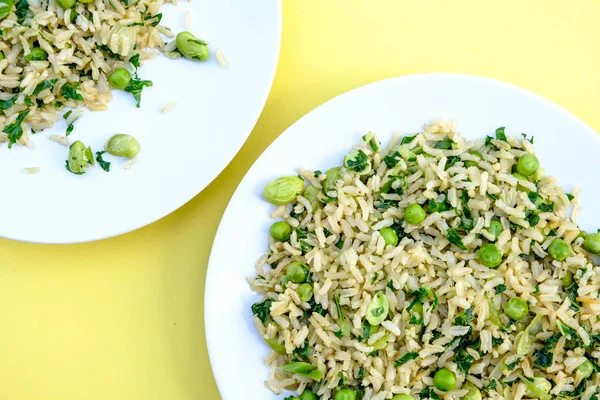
106,166
317,173
15,130
444,144
500,135
463,360
438,206
157,18
108,51
262,310
513,365
407,139
43,85
359,163
392,160
21,10
69,91
6,104
405,358
500,289
135,87
466,317
526,138
455,239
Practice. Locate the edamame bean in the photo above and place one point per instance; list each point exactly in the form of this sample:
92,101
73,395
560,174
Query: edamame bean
592,243
308,395
297,272
120,78
495,228
283,190
473,392
489,255
586,369
527,164
191,47
122,145
516,308
80,157
403,397
64,4
281,231
305,291
389,235
444,380
345,394
331,177
36,54
559,250
378,309
414,214
5,7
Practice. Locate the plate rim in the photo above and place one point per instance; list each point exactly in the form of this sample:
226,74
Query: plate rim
211,266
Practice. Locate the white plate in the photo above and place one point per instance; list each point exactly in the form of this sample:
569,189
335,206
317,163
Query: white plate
182,151
567,148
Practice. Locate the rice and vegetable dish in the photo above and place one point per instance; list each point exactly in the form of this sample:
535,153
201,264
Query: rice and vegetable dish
435,268
66,54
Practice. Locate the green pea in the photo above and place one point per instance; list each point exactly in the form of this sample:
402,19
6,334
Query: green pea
527,164
567,280
403,397
64,4
345,394
473,392
331,177
122,145
305,291
80,157
2,56
283,190
444,380
390,236
120,78
516,308
414,214
378,309
489,255
311,193
281,231
297,272
308,395
5,7
592,243
36,54
559,250
495,228
191,47
586,369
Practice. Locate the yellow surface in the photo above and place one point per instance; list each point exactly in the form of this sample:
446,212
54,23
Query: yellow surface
122,318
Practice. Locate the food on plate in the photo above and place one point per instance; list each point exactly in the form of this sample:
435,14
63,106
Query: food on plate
435,267
122,145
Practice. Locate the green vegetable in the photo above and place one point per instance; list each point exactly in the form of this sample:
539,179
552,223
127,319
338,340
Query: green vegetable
5,6
345,394
64,4
358,163
559,250
80,157
406,153
527,164
283,190
191,47
466,317
262,310
416,315
441,206
500,289
445,144
495,316
297,272
332,175
311,193
135,87
305,292
6,104
377,309
455,239
43,85
120,78
495,228
122,145
275,345
381,343
592,243
489,255
15,130
308,395
105,165
36,54
586,369
403,397
414,214
21,10
69,91
389,235
500,135
516,308
405,358
281,231
537,388
444,380
304,369
526,339
372,141
473,392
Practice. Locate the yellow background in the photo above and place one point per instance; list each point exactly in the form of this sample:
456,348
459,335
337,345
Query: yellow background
123,318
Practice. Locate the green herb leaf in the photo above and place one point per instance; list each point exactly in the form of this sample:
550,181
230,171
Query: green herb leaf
544,207
366,329
434,206
405,358
392,160
21,10
466,317
500,289
444,144
6,104
318,173
407,139
500,135
15,130
105,164
463,360
359,163
135,87
513,365
262,310
135,61
69,91
455,239
110,53
157,17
